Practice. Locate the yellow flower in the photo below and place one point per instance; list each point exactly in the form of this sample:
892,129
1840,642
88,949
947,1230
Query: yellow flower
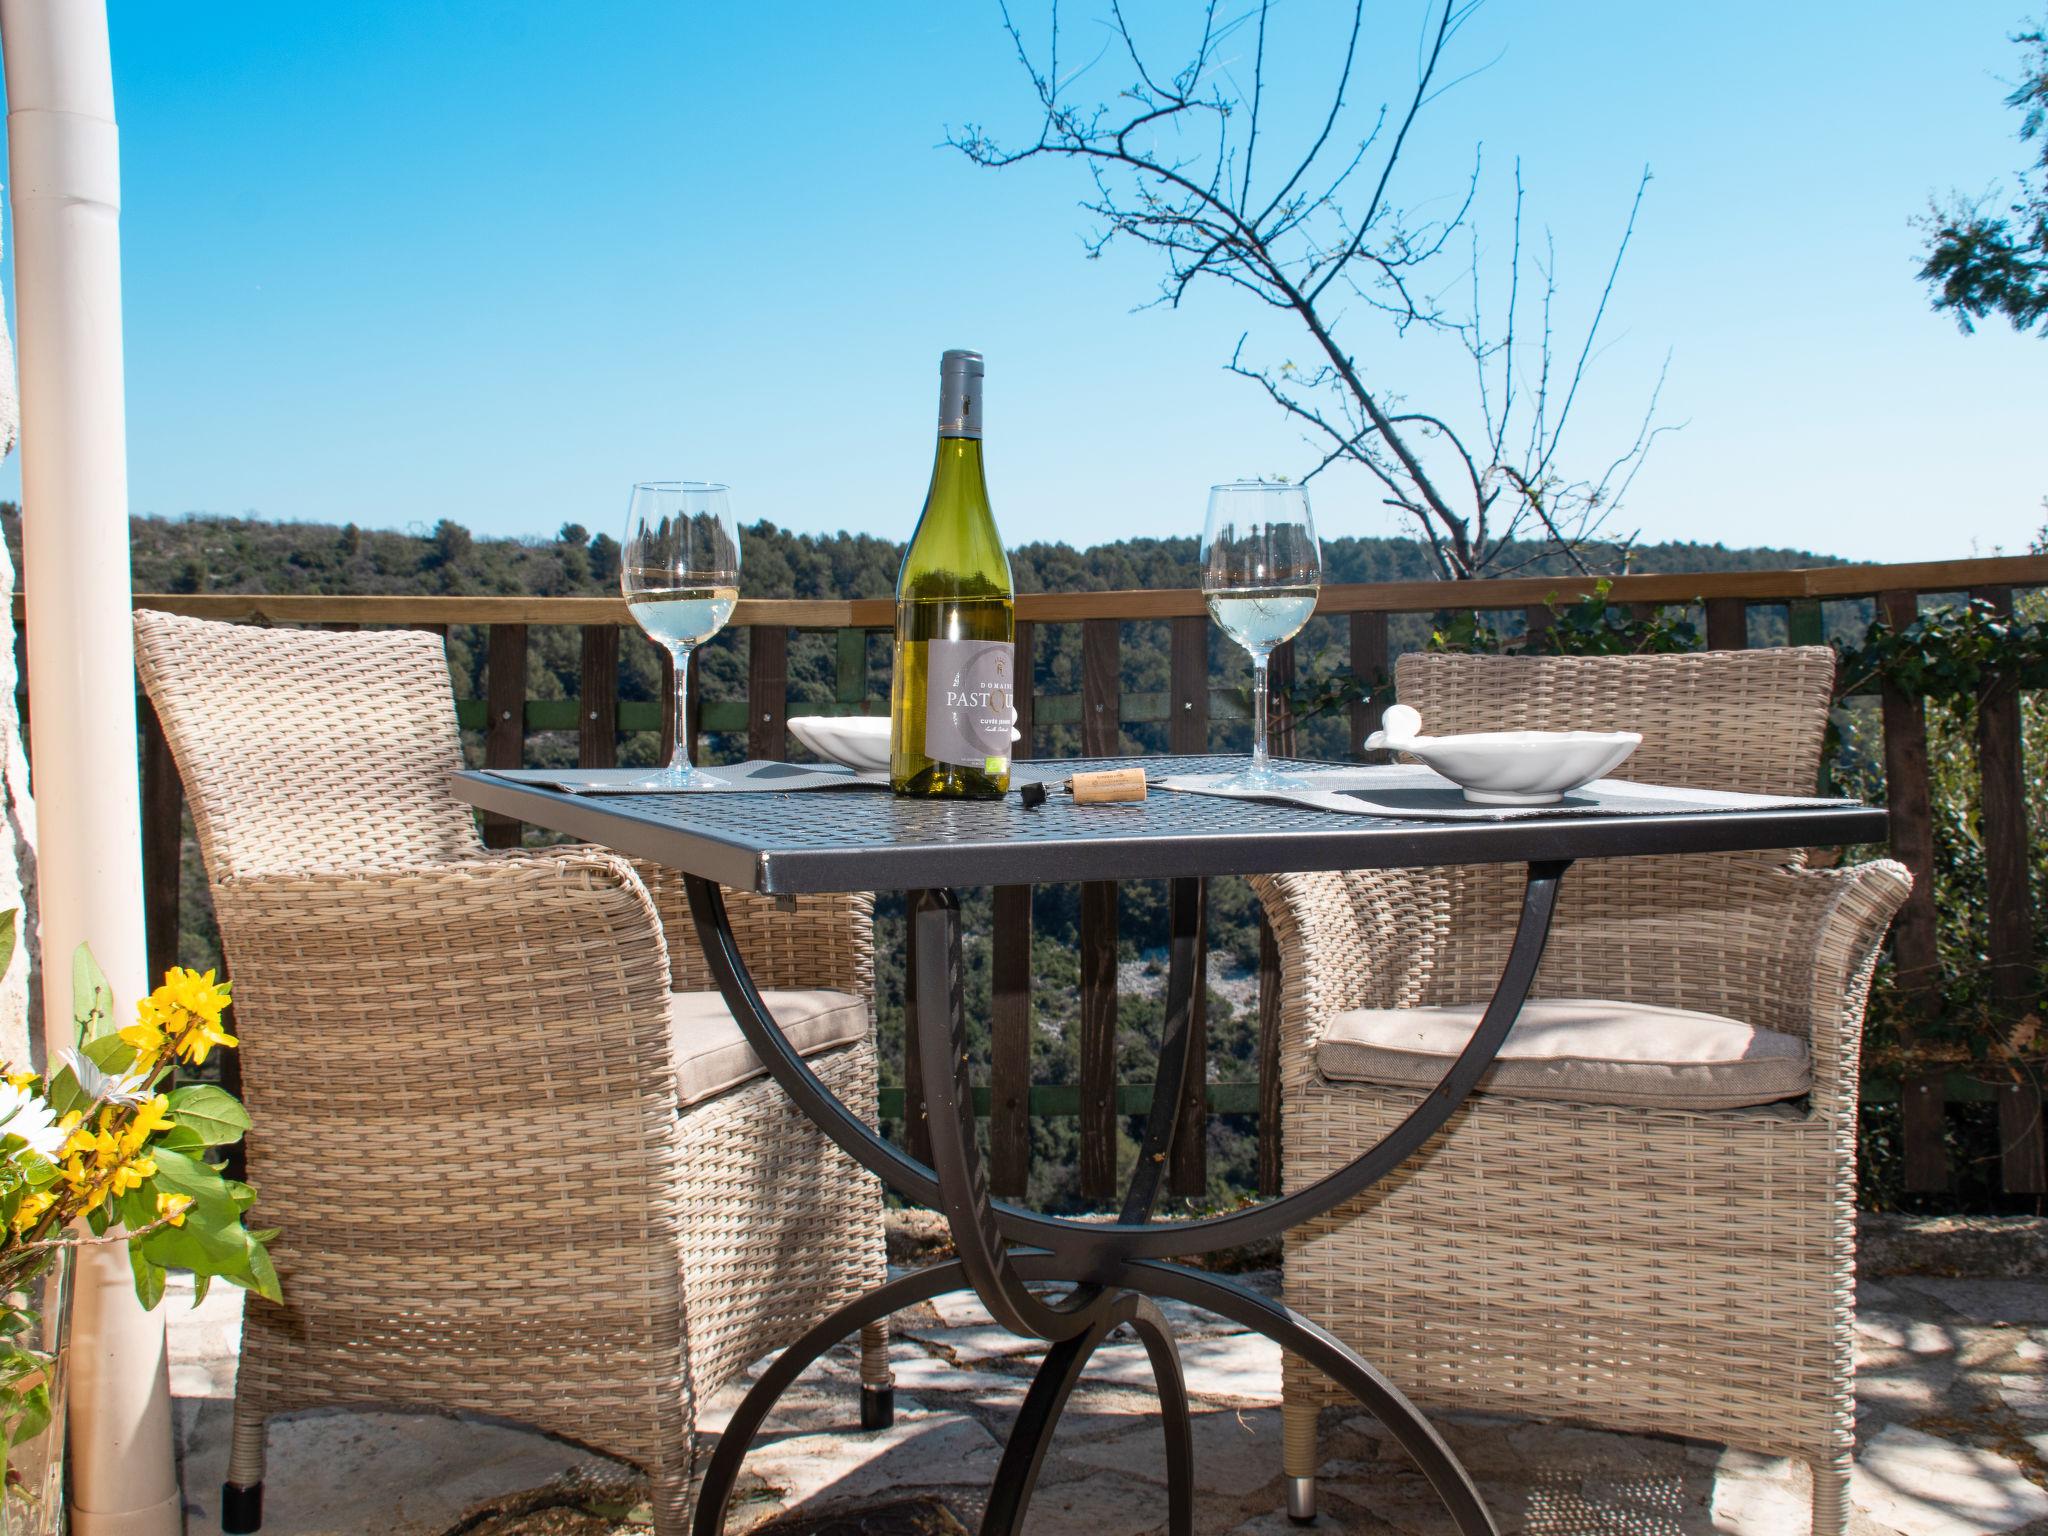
172,1208
20,1080
130,1175
146,1034
31,1210
149,1119
183,1014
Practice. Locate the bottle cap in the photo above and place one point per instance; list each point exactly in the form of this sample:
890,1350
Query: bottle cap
960,394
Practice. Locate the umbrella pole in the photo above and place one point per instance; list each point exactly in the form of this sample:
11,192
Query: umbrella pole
66,201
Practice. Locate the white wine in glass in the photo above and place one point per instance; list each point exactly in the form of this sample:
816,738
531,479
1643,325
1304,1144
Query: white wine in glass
1262,569
680,573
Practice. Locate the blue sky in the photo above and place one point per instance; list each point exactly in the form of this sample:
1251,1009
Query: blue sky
394,262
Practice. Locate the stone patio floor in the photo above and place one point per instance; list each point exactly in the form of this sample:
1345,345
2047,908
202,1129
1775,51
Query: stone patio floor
1952,1405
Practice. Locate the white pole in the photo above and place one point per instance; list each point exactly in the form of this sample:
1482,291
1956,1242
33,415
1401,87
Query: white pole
65,162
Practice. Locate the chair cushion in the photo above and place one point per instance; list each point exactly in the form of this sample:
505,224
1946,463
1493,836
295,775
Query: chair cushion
1585,1050
713,1057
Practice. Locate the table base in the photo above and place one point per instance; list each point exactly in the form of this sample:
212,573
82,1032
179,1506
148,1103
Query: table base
1116,1271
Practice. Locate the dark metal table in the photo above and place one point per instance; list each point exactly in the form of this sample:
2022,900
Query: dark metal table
842,840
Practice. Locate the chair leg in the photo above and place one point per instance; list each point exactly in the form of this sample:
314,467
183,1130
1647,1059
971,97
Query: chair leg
1831,1495
877,1381
672,1504
241,1496
1298,1459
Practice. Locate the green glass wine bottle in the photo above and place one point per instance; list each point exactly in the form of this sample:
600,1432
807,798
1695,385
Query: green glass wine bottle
952,706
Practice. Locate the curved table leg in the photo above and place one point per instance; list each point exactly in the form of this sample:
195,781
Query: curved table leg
1031,1436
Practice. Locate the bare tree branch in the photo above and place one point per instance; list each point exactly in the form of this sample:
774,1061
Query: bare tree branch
1176,161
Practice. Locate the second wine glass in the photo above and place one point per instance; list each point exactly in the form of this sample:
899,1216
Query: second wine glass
680,572
1262,569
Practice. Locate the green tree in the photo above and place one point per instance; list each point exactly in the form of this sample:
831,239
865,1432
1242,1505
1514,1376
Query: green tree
1980,263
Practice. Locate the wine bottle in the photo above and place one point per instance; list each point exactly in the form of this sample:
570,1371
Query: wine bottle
952,706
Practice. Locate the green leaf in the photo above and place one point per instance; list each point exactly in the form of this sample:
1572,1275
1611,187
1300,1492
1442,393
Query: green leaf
110,1053
212,1114
149,1277
8,920
201,1284
264,1273
64,1093
92,1000
31,1416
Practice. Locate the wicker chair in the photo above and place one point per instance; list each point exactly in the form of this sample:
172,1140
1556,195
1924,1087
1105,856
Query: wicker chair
514,1172
1688,1271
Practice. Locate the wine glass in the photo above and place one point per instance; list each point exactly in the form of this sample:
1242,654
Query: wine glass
680,573
1261,571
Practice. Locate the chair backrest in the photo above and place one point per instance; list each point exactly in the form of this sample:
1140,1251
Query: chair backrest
308,749
1650,929
1740,720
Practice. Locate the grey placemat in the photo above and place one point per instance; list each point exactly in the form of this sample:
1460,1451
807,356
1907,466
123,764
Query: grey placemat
756,777
1421,794
727,777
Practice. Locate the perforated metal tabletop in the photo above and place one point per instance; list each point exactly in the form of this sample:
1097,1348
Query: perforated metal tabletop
864,840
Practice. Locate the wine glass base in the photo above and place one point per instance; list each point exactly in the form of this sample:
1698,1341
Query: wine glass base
659,780
1262,779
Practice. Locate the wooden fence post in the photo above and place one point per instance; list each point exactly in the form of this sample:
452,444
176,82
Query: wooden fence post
505,727
1908,800
1009,1113
1727,624
1101,721
597,714
768,692
1009,1123
1923,1116
2014,978
1282,745
1187,732
163,844
1371,666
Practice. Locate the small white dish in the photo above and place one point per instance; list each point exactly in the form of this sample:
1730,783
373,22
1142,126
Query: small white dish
1508,767
860,742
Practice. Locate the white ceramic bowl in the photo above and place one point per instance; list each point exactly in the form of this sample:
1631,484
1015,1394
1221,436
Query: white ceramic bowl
1509,767
860,742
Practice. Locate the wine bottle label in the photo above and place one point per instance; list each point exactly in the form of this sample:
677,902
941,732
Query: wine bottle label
970,704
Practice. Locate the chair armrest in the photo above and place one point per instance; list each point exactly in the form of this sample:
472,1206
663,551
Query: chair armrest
494,1026
801,942
1817,982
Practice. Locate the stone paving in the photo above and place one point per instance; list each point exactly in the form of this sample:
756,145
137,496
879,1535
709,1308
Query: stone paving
1952,1406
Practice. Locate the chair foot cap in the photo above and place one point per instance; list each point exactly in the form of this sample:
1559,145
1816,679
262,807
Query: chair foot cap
241,1509
1301,1500
877,1407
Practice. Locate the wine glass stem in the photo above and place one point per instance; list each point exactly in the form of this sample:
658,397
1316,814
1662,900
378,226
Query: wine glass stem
1258,711
679,656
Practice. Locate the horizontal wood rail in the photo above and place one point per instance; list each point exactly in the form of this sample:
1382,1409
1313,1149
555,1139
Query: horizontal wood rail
1094,711
1782,586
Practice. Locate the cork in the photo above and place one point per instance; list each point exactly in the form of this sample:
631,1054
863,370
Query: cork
1109,786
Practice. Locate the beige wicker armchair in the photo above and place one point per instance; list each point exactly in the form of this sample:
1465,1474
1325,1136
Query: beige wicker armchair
514,1172
1624,1260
